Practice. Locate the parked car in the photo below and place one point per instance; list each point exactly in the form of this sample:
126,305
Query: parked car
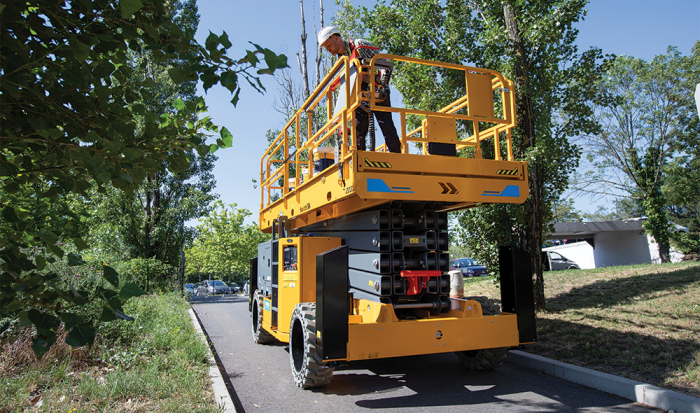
559,262
215,287
469,267
190,289
234,287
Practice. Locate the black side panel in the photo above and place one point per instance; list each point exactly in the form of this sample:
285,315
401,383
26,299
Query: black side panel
332,303
253,283
275,287
437,148
516,290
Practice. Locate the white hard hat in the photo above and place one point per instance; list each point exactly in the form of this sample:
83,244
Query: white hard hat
325,33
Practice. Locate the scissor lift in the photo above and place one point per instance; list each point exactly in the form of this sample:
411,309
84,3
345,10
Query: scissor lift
358,265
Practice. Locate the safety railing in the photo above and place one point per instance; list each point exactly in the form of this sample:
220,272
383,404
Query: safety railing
485,111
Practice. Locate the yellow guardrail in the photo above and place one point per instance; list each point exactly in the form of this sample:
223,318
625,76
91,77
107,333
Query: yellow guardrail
488,100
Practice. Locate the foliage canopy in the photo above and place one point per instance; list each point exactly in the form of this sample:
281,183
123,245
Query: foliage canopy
69,123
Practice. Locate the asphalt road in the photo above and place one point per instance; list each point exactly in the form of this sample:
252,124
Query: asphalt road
262,381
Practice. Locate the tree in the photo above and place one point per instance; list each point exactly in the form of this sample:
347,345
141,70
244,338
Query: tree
67,124
151,220
532,43
225,244
644,130
564,211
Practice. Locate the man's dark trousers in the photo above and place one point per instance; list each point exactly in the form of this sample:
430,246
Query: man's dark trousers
386,124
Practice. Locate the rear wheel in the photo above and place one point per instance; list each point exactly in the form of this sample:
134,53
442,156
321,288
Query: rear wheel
307,367
485,359
260,335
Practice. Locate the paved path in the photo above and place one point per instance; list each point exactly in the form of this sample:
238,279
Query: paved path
262,381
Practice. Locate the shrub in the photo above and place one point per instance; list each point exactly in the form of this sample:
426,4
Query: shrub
149,274
686,242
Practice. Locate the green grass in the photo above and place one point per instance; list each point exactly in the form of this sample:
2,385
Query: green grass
641,322
156,363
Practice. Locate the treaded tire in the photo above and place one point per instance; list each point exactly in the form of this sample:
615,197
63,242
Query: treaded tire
307,367
488,306
260,335
486,359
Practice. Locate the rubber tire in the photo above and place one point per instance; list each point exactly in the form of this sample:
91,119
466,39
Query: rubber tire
260,335
488,306
485,359
307,367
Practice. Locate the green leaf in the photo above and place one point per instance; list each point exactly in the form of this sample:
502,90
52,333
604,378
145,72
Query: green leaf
48,236
212,42
80,244
179,75
14,305
130,290
111,275
42,320
179,104
70,320
75,260
104,176
43,342
80,50
226,137
10,215
129,7
81,335
229,80
24,320
274,61
251,58
56,250
235,97
108,314
40,262
75,296
223,39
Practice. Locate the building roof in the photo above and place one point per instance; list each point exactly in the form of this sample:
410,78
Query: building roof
580,230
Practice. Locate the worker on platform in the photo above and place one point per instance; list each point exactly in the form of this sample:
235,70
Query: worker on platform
329,38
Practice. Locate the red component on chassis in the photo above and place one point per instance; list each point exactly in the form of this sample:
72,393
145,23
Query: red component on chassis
417,280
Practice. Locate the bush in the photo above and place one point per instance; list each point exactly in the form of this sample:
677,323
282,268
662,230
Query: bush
686,242
149,274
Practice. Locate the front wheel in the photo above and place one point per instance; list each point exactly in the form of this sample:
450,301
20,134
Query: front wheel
307,367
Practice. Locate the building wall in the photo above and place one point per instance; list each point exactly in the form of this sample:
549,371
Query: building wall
621,248
579,252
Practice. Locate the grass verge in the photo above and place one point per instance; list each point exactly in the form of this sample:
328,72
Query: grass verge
155,363
641,322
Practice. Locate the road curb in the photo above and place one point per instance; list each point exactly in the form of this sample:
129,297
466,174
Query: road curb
629,389
221,394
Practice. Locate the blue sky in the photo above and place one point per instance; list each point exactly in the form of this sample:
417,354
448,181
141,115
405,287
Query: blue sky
639,28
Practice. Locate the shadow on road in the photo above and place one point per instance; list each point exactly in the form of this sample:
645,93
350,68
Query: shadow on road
439,380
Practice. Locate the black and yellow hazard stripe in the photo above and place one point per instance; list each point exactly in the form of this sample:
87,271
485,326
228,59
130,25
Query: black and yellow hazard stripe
507,171
370,164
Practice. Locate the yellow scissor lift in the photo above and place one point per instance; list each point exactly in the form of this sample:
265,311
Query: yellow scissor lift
359,269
